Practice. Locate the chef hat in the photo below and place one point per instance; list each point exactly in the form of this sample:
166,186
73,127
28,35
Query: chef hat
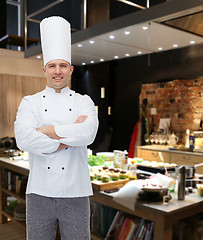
55,39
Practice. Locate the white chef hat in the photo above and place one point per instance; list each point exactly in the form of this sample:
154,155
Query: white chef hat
55,39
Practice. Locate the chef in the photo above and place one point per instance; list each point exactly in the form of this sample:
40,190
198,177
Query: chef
55,126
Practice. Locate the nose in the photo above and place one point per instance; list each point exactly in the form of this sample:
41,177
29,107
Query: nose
58,70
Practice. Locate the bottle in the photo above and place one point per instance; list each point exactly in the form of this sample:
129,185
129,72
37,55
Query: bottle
132,174
192,141
187,145
126,160
181,183
200,126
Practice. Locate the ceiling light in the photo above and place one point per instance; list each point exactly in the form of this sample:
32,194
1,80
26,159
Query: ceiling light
139,52
115,57
91,61
83,63
160,48
144,28
127,32
91,42
101,60
192,42
111,36
175,45
79,45
127,54
39,57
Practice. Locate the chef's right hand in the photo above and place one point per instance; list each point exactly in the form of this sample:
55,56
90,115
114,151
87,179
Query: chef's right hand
81,119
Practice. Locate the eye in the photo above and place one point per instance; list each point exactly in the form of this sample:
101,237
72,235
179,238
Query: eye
51,66
63,65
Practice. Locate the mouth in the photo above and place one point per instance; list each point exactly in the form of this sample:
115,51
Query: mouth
57,79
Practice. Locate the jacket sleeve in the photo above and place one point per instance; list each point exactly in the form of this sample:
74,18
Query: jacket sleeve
27,138
80,134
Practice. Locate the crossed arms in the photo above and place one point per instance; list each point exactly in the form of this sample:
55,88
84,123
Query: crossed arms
50,131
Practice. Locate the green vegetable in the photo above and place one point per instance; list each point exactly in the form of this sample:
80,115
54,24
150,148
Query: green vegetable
96,160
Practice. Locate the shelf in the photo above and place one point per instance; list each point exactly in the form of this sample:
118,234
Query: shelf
21,224
17,196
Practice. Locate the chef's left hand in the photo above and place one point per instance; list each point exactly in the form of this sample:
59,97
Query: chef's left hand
81,119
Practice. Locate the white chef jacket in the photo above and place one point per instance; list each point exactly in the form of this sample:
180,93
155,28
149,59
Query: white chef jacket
54,173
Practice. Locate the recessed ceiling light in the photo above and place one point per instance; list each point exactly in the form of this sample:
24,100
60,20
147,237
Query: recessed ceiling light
192,42
127,54
39,57
115,57
91,41
83,63
111,36
101,60
145,28
139,52
127,32
91,61
79,45
160,48
175,45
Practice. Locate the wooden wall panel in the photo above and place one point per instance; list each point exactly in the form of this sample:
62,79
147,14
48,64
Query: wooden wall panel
12,90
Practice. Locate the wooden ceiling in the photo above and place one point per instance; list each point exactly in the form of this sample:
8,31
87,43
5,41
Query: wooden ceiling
190,23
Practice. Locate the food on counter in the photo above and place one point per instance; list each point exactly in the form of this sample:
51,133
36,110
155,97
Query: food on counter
96,160
115,177
99,176
92,176
105,178
123,174
111,169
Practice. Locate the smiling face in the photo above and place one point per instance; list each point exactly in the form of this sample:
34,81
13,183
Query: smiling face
57,73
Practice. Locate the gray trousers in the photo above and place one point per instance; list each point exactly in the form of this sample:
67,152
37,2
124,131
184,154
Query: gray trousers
44,214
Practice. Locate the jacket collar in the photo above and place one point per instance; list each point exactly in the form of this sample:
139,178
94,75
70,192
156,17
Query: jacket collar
52,90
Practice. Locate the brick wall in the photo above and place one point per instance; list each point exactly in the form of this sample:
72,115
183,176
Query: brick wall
179,100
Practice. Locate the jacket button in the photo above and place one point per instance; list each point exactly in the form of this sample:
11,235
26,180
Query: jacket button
43,96
48,167
45,110
70,94
62,168
70,109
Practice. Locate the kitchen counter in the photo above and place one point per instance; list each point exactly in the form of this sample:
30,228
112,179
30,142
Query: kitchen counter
163,216
165,148
151,153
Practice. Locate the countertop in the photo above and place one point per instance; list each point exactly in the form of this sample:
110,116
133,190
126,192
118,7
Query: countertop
164,148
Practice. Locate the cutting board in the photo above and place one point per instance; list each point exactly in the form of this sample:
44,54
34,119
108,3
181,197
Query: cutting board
101,186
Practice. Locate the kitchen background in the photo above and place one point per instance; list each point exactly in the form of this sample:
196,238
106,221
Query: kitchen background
122,80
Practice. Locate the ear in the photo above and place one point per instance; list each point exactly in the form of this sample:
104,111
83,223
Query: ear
44,69
71,70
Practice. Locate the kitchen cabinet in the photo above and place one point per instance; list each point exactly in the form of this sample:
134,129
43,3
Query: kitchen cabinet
150,153
153,155
187,159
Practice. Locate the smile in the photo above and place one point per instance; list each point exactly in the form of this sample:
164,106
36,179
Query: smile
57,78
